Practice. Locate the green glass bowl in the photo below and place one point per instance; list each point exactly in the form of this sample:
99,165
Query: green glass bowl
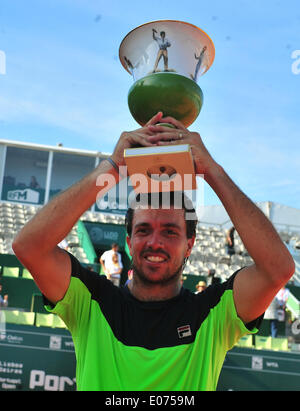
173,94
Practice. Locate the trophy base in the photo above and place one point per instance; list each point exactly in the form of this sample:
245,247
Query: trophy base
161,168
173,94
161,172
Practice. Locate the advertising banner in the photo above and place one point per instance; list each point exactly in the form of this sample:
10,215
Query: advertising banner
260,370
36,359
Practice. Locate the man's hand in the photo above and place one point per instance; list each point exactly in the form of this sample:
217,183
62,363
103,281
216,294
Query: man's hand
136,138
162,135
255,286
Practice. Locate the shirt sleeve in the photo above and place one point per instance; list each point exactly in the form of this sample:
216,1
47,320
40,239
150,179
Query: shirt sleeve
104,256
232,327
226,320
75,307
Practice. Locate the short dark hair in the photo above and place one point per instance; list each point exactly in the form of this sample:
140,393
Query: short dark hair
177,199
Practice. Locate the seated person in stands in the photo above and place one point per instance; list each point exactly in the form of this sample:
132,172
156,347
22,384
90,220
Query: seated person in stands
3,304
230,241
114,269
153,334
109,266
212,278
4,299
33,183
200,287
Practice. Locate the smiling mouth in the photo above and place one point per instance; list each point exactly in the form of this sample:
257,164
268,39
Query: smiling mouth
155,259
155,256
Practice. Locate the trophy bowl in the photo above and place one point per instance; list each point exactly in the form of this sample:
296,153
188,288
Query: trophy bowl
166,59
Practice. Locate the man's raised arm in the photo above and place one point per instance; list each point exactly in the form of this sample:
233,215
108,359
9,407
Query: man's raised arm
255,286
36,244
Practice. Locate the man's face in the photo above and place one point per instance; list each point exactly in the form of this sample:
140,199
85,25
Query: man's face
158,244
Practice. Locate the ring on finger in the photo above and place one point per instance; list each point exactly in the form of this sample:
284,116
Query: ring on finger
180,136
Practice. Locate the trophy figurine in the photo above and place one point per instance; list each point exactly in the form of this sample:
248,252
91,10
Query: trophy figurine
166,59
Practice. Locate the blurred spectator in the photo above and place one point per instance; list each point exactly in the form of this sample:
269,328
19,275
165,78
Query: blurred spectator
3,304
130,274
4,299
113,270
201,286
106,258
230,241
272,316
33,183
276,310
282,297
211,276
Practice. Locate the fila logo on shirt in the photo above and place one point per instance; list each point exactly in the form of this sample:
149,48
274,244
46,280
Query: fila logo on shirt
184,331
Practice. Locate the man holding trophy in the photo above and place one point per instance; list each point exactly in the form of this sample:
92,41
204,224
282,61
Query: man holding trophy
153,334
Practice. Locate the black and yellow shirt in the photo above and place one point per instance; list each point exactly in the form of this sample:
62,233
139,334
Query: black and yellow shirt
123,344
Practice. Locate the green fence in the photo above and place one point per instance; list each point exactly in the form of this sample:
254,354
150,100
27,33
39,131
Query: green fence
36,359
43,359
260,370
20,291
86,242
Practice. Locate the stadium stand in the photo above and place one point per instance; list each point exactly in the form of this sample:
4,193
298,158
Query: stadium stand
36,350
209,251
25,301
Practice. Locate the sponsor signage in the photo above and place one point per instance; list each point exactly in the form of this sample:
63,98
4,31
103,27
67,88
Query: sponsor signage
267,370
25,196
36,360
106,234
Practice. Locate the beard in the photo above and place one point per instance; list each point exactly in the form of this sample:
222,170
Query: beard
163,280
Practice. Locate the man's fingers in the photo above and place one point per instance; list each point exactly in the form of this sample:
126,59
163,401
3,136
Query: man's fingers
174,135
140,139
169,142
173,121
155,119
